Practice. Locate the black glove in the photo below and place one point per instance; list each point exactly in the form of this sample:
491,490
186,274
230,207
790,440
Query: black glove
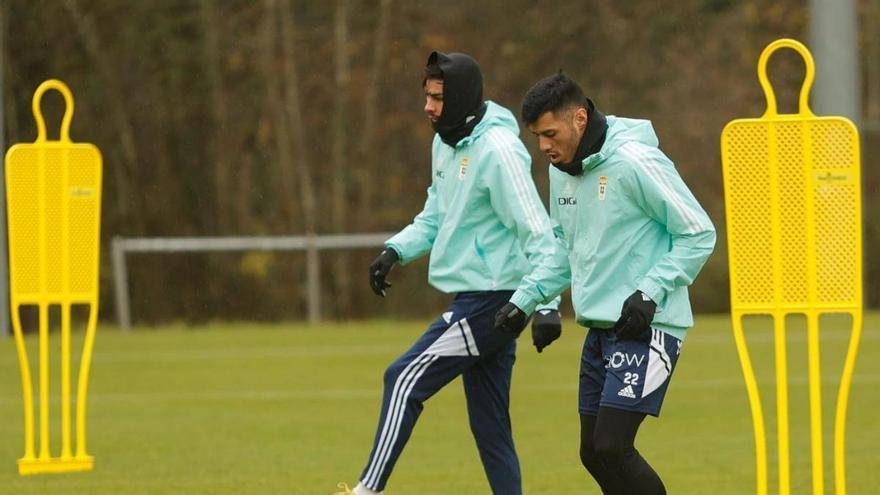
546,327
379,268
510,319
636,317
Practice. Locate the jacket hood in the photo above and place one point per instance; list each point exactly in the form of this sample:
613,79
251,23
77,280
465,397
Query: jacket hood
620,132
495,116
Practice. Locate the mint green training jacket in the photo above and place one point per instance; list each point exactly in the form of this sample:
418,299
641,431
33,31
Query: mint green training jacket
630,223
483,222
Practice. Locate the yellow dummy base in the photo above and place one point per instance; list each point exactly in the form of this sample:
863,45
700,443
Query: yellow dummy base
55,465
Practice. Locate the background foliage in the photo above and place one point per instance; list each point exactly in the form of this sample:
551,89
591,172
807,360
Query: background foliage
290,117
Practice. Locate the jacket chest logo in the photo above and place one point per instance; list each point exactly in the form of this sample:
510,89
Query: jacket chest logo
462,168
603,182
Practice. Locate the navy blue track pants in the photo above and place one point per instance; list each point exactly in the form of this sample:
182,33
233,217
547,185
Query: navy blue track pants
463,341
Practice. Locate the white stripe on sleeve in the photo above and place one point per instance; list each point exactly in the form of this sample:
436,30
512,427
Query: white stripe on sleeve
518,178
690,218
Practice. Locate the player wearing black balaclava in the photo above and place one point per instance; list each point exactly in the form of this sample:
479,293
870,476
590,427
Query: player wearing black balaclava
492,245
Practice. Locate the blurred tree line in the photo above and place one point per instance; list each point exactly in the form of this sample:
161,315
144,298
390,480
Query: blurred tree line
275,117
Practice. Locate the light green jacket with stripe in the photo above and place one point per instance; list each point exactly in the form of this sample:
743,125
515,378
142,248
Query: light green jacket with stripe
630,223
483,222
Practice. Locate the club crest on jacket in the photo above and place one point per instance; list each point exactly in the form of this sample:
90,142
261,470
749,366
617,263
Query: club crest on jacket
462,169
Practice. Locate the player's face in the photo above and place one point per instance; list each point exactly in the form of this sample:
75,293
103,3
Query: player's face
434,98
560,133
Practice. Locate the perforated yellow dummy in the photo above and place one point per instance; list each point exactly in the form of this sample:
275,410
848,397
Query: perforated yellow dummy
793,203
54,210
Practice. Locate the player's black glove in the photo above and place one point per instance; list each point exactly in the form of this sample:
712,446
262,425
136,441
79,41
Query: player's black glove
546,327
379,269
636,317
510,319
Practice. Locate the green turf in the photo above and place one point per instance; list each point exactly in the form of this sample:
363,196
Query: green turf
292,409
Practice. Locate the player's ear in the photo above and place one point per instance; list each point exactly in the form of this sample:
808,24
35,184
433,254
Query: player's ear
580,118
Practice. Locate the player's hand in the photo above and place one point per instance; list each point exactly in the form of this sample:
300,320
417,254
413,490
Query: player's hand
511,319
379,269
546,327
635,317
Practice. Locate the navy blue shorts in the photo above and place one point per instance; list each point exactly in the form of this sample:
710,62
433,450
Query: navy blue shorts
632,375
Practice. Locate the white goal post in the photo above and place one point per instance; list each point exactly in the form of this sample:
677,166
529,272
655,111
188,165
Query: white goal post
311,244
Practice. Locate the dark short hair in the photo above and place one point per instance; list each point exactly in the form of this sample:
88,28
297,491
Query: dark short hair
551,94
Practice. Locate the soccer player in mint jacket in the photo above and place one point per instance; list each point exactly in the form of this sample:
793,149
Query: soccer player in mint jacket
492,245
636,239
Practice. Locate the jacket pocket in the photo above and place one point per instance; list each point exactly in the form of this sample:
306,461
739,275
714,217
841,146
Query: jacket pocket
484,264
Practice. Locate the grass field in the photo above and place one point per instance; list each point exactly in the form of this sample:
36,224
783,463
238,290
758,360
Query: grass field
291,409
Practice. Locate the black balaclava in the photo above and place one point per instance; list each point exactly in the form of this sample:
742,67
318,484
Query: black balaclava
463,105
591,141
